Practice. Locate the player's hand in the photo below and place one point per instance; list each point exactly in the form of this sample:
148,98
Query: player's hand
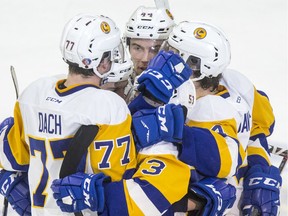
80,191
166,123
261,191
14,186
217,196
165,72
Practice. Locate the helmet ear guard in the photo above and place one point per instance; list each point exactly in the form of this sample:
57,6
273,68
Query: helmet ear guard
185,95
88,39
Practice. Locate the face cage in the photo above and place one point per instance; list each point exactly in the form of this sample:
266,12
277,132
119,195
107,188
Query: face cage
193,62
115,56
121,67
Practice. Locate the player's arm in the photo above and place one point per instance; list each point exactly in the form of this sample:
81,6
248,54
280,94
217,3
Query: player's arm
14,186
15,151
14,157
216,141
152,189
262,126
201,140
262,181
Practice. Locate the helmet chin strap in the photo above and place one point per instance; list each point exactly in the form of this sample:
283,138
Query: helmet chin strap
101,75
202,76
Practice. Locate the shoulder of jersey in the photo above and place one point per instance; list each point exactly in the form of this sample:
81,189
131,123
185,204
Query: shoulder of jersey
236,80
238,84
212,108
38,86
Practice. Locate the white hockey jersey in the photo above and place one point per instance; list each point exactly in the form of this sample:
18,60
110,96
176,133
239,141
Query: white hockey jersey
47,117
45,120
256,115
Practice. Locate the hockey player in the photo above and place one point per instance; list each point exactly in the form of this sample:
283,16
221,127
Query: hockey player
47,116
211,130
207,51
143,44
145,32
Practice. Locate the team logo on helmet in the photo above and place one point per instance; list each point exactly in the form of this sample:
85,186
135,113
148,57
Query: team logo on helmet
169,14
200,33
105,27
86,61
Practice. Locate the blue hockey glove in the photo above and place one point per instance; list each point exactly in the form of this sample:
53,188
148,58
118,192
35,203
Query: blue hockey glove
165,72
218,195
151,126
80,191
261,191
14,186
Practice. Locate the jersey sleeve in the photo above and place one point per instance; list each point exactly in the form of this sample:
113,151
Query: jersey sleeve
160,180
263,121
210,141
212,148
15,151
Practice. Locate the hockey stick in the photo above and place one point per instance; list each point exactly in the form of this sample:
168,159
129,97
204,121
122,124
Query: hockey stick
77,148
162,4
16,87
281,152
15,82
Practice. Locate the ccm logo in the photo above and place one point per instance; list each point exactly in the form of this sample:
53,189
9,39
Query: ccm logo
160,77
162,118
86,191
265,181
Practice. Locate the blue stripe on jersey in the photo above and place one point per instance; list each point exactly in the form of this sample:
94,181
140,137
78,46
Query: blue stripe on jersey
271,129
262,140
195,176
194,152
256,160
115,199
129,173
263,94
225,95
240,159
73,90
154,195
9,155
241,172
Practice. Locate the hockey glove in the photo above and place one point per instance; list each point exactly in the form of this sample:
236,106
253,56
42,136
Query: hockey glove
165,72
216,195
14,186
261,191
80,191
151,126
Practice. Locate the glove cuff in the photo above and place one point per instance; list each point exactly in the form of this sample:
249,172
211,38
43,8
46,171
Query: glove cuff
263,177
8,180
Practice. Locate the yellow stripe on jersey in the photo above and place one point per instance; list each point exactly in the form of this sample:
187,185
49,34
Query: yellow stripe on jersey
133,208
258,151
262,113
113,150
16,138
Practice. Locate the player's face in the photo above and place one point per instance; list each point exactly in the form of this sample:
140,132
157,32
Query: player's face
105,64
142,51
